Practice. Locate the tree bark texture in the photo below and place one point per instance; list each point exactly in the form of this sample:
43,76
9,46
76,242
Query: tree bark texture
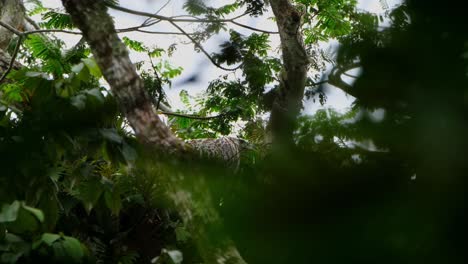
112,57
193,202
288,101
11,13
5,60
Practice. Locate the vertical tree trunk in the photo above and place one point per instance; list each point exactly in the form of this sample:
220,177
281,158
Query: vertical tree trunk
112,57
11,13
288,101
193,201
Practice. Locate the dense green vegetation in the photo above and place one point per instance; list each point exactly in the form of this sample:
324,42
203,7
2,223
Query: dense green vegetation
78,186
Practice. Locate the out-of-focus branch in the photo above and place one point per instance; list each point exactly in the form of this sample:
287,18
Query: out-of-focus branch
334,78
189,116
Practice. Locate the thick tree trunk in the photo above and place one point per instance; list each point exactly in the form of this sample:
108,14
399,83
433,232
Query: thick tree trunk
198,213
288,101
11,13
112,57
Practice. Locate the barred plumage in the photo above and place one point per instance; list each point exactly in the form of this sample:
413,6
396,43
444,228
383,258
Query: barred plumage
228,149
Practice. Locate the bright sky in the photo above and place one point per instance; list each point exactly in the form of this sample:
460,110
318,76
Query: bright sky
196,64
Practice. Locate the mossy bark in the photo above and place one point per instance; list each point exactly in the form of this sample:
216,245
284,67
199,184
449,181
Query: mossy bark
287,103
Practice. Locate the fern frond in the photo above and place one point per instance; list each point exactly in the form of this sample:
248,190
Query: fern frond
42,48
56,20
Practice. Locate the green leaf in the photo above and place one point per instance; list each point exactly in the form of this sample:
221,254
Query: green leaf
42,47
36,212
134,45
129,153
157,52
184,97
96,93
89,193
195,7
49,206
111,135
10,257
68,249
56,20
28,220
12,92
113,201
181,234
79,101
78,67
49,238
9,212
73,248
175,256
37,74
12,238
92,67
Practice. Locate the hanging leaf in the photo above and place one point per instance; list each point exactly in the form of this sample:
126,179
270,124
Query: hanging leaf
113,201
9,212
93,67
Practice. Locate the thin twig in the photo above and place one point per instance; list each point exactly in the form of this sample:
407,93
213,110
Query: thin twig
350,75
162,32
25,33
10,28
161,93
157,12
319,83
253,29
189,20
203,50
189,116
33,23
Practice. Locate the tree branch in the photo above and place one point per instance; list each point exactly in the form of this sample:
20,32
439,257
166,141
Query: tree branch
191,20
334,78
189,116
26,33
